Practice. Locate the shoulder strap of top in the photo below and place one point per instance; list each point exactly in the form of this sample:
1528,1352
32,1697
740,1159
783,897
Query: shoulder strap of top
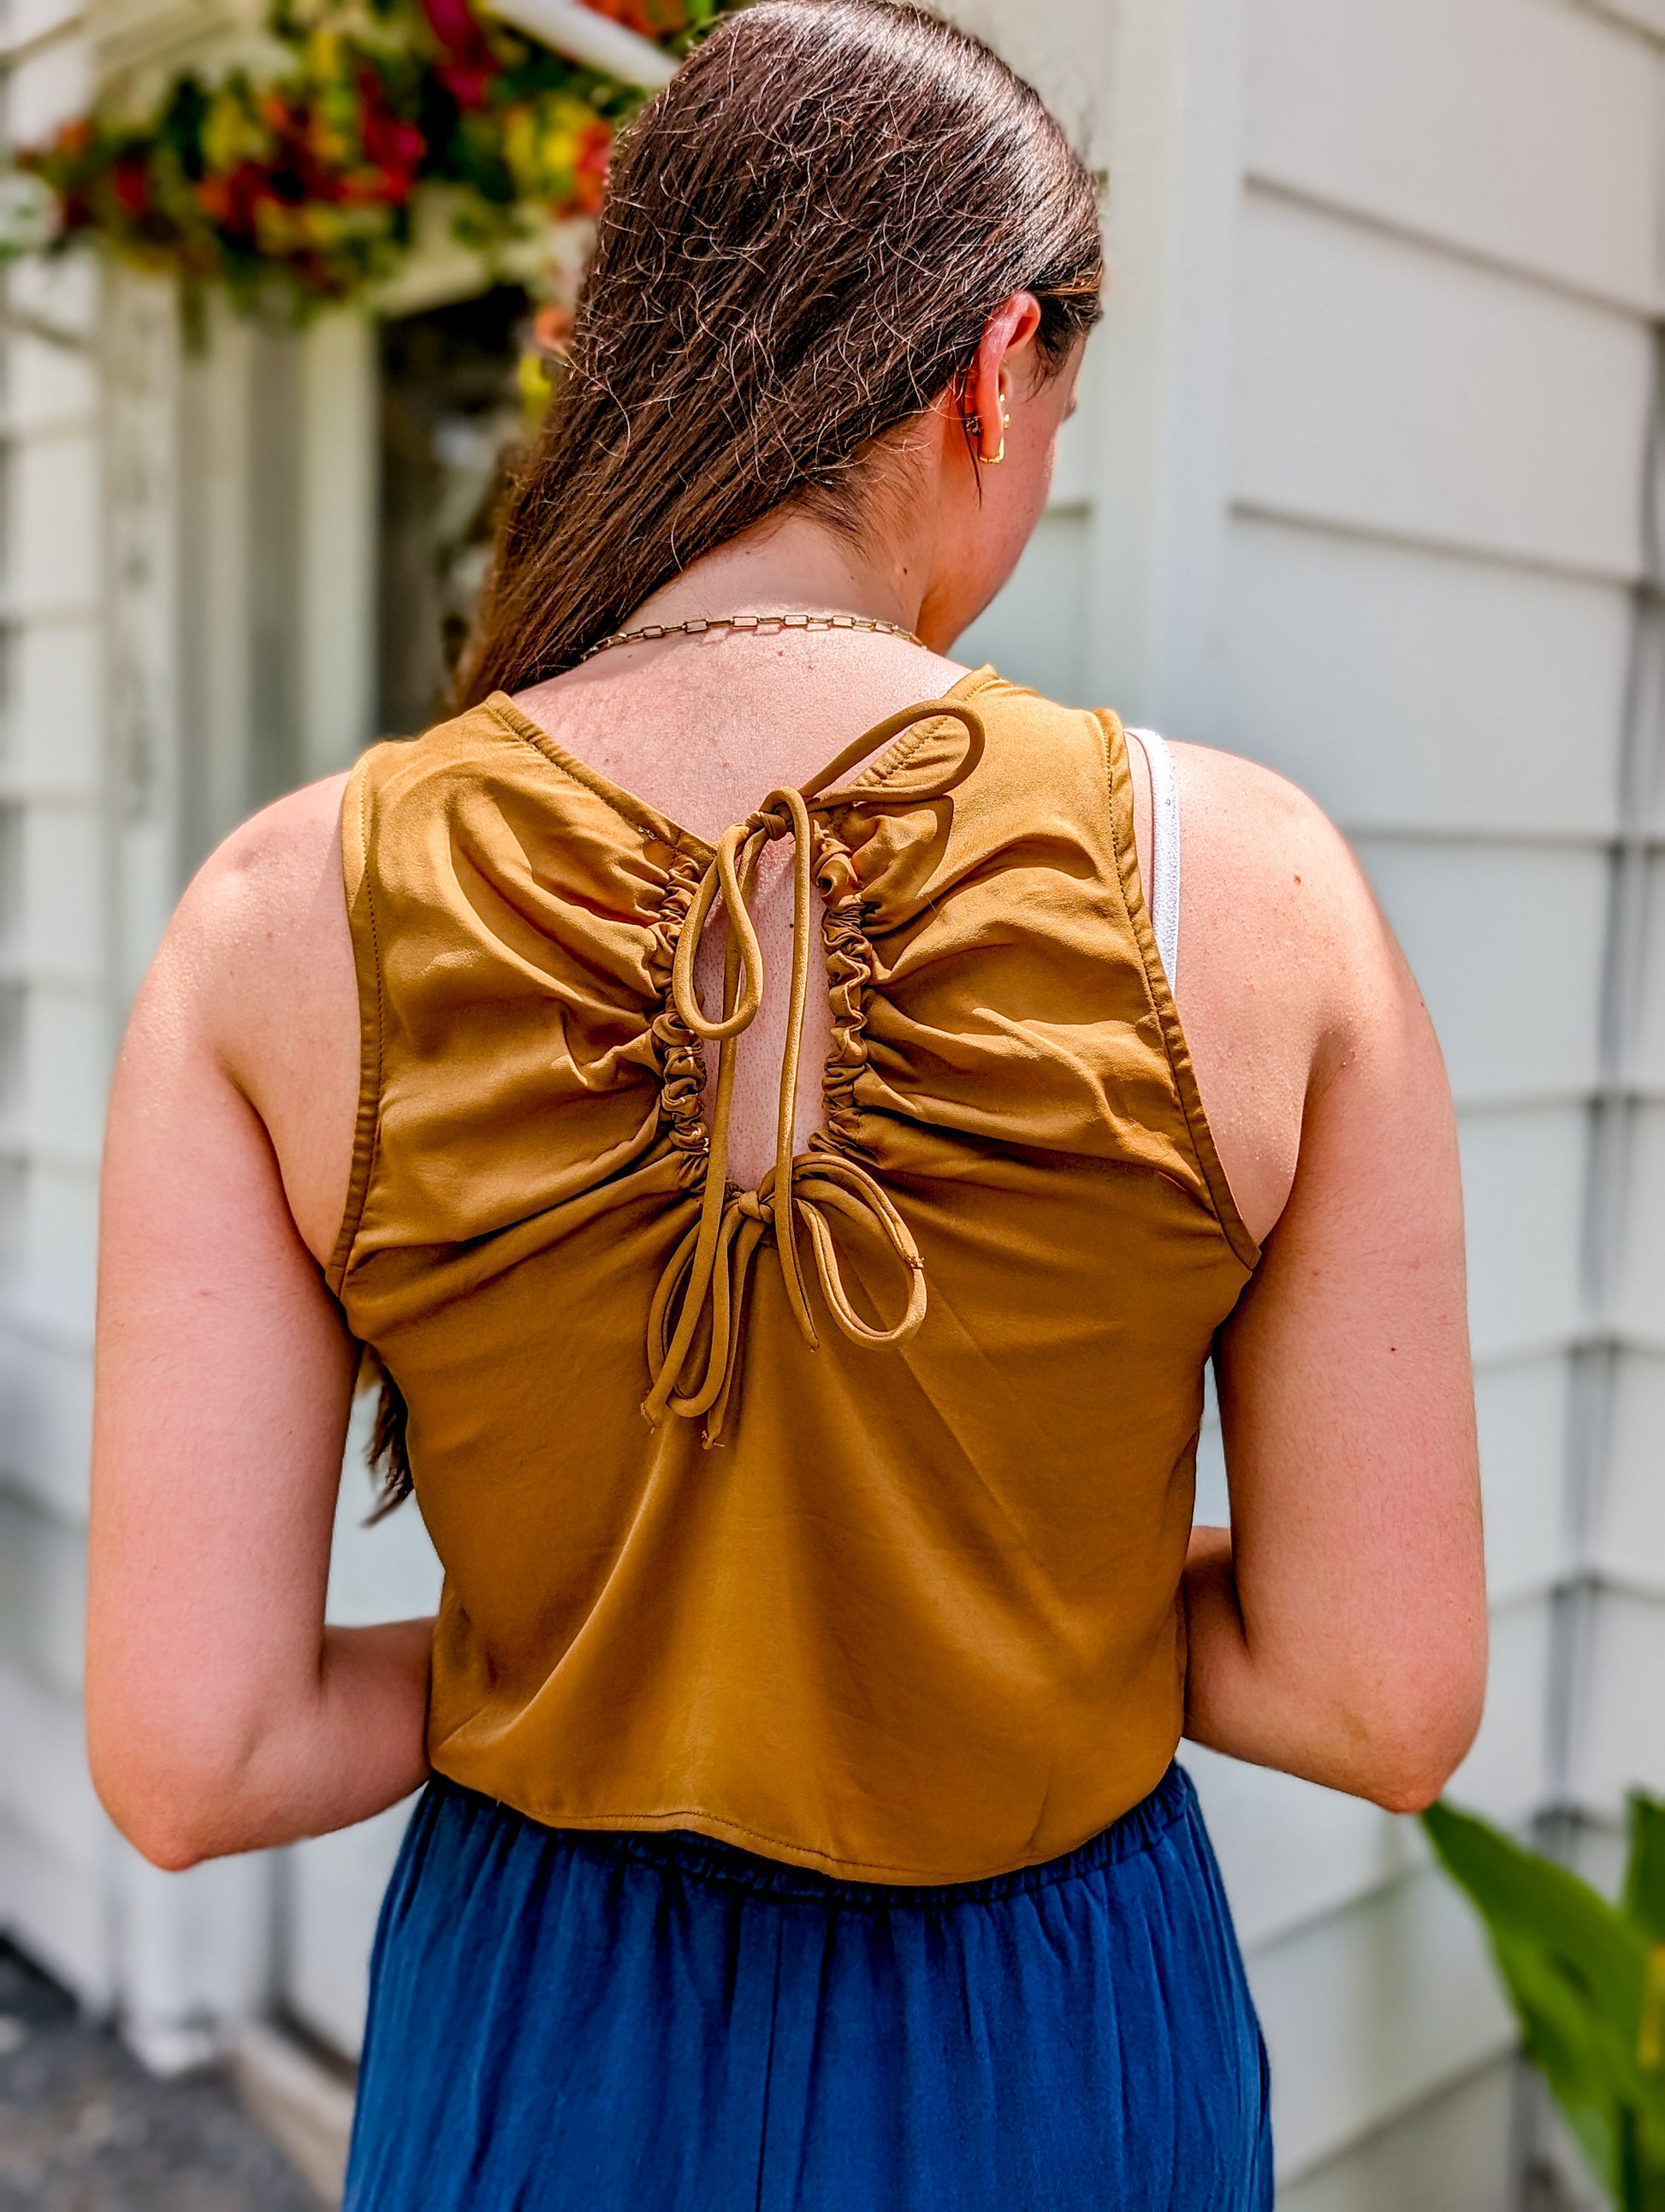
1163,900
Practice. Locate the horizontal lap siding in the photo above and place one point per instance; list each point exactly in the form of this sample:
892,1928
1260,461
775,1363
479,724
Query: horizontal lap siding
1524,1409
1387,2001
65,1070
51,1907
1504,939
1409,691
1467,123
1638,1292
1647,16
1524,1177
1644,1058
1627,1537
1441,382
1445,2158
46,1420
334,1886
1407,392
55,1842
1620,1743
1434,384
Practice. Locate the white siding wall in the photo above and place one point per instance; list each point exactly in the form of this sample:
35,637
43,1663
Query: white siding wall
1442,388
1384,531
91,462
54,1051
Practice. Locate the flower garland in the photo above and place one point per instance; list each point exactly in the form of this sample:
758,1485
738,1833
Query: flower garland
294,182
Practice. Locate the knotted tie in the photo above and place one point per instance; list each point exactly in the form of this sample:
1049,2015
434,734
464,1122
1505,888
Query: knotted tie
708,1273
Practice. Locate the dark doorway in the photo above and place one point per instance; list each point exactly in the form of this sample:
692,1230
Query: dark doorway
451,415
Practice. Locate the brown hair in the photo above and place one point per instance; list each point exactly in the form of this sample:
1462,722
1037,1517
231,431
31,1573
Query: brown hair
803,238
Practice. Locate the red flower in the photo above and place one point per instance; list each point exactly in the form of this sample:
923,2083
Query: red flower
467,86
590,170
390,142
130,182
454,25
231,200
469,64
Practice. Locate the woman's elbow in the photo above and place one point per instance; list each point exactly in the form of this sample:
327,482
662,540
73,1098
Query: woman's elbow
1411,1787
167,1842
164,1824
1413,1741
179,1795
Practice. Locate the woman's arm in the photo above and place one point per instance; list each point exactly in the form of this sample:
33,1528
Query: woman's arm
1337,1630
223,1714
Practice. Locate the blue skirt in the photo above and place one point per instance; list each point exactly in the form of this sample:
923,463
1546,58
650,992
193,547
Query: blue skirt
658,2023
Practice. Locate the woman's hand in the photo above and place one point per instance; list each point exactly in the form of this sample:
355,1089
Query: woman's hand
223,1714
1337,1630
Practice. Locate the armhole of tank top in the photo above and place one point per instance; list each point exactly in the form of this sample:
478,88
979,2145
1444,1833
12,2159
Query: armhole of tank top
357,892
1162,899
1119,767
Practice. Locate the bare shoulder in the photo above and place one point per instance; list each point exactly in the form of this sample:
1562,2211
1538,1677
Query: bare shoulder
267,871
1286,964
1265,865
1238,813
268,896
255,978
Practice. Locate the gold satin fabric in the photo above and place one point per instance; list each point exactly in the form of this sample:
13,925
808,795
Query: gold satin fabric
865,1554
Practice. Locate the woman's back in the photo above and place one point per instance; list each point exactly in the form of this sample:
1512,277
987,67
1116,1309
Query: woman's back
903,1623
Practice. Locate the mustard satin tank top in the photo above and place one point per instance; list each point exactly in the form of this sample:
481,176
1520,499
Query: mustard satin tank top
843,1518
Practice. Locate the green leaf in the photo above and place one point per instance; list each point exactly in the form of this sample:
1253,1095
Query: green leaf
1526,1894
1645,1877
1575,1970
1585,2064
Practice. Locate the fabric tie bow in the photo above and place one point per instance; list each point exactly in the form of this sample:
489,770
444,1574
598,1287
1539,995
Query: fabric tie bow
707,1275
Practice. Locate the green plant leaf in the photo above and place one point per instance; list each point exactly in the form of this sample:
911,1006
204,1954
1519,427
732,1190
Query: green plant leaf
1519,1891
1584,2066
1576,1972
1645,1876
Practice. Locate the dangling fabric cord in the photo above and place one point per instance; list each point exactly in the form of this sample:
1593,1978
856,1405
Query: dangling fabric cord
707,1275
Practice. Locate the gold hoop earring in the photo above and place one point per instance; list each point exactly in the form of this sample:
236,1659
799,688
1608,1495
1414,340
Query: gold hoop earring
973,424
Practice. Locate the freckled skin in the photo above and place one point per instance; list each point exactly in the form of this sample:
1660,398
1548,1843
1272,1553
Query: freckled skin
1336,1630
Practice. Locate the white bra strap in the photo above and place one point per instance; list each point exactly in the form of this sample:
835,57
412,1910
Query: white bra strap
1163,891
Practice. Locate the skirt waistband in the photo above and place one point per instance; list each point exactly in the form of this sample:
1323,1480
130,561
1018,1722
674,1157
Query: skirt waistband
704,1858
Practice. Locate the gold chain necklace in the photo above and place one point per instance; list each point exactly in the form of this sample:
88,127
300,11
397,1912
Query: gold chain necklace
699,623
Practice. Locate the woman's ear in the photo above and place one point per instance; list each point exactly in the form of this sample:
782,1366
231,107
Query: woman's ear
1005,355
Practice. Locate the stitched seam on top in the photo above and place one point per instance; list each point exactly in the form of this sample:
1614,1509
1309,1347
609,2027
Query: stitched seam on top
840,1076
900,753
628,1824
1151,994
539,742
366,1130
880,773
1202,1145
690,1136
649,1821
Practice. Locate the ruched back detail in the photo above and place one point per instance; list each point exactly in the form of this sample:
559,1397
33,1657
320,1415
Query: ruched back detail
842,1519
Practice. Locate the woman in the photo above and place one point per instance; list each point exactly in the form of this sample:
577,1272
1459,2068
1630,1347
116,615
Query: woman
823,1608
